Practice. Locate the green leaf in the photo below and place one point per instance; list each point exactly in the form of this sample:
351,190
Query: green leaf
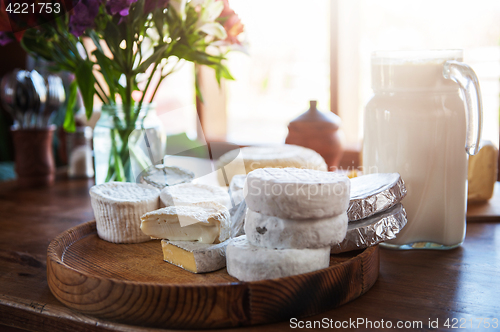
157,55
106,69
197,85
97,41
69,119
86,81
226,73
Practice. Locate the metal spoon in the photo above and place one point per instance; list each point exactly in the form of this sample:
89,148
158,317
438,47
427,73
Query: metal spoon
7,97
55,98
39,93
23,98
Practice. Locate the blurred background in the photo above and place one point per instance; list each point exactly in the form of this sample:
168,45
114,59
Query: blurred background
298,51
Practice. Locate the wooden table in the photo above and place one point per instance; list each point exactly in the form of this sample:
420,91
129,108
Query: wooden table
413,286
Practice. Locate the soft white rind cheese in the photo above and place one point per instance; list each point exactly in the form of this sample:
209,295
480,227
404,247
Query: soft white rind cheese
205,222
293,193
236,188
195,257
118,207
278,233
190,193
247,159
247,262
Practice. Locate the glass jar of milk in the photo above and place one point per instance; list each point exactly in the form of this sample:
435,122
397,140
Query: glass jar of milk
416,124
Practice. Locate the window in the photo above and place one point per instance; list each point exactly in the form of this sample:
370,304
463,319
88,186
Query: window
289,58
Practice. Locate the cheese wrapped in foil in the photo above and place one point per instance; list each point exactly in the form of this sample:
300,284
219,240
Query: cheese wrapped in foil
372,230
374,193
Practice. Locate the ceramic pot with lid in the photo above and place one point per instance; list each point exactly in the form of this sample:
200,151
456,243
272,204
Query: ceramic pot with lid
320,132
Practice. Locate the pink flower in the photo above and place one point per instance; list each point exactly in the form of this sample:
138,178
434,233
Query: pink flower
231,22
120,7
83,16
5,38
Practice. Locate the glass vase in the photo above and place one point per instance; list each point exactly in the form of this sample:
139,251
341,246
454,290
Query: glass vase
126,142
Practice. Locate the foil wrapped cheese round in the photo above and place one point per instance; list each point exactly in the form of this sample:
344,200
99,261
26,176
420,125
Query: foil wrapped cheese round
161,176
247,159
372,230
374,193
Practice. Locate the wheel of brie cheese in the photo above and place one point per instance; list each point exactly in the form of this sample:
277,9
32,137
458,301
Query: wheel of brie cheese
278,233
118,207
205,222
190,193
247,159
247,262
293,193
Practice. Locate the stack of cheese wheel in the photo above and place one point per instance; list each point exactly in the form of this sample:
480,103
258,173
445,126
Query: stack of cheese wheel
294,216
194,226
247,159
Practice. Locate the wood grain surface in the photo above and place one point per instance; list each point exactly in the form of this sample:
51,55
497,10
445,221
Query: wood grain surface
489,210
413,286
130,283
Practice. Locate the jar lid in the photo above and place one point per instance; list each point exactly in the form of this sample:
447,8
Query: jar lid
313,115
412,70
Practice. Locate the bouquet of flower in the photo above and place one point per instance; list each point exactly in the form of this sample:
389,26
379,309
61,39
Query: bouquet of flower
135,45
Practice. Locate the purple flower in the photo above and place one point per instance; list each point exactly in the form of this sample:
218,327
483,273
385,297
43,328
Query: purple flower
151,5
83,16
120,7
5,38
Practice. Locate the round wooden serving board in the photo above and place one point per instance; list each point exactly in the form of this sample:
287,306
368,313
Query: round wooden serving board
130,283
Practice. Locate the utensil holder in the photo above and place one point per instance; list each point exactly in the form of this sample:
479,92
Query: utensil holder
33,156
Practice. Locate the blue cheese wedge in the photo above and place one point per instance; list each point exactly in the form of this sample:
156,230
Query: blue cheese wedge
278,233
195,257
247,262
118,207
205,222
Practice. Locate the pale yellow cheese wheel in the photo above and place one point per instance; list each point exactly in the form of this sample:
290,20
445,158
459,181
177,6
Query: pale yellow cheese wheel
247,159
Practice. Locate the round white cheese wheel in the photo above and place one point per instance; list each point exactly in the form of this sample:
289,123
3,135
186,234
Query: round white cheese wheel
247,262
247,159
190,193
293,193
118,207
278,233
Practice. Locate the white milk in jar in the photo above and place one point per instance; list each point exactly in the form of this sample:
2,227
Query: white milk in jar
415,125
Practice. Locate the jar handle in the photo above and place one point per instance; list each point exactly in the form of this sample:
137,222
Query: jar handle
471,93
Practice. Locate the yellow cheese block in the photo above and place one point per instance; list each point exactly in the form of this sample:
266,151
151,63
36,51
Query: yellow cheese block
482,173
195,257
